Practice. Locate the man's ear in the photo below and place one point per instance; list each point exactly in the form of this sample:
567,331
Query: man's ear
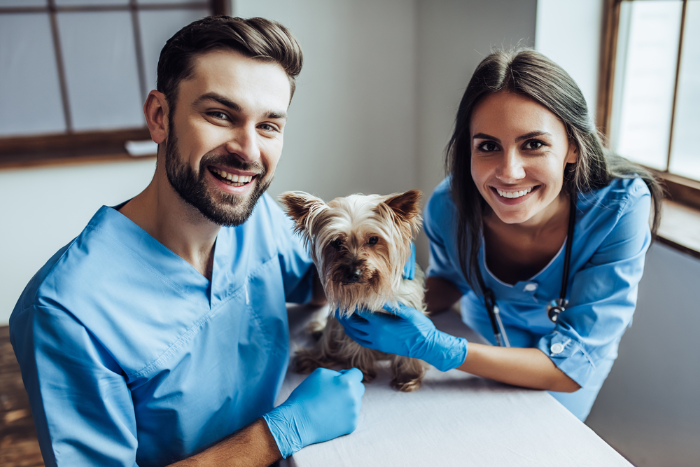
301,207
156,109
406,207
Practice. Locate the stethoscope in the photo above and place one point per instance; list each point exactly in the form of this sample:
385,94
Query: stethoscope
555,307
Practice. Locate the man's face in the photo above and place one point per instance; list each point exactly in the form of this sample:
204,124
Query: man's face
225,135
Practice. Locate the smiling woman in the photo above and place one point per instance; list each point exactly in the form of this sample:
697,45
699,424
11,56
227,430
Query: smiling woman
533,208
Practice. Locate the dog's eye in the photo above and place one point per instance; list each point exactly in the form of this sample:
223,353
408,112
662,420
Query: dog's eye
373,240
336,243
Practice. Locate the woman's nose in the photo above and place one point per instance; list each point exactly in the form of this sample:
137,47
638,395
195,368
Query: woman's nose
512,167
244,143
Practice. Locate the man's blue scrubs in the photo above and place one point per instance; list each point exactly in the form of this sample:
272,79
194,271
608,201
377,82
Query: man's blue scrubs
611,238
131,357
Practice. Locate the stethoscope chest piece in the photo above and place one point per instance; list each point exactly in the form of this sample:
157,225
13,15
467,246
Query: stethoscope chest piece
555,307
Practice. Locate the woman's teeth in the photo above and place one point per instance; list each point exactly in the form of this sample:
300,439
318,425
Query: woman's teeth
232,179
514,194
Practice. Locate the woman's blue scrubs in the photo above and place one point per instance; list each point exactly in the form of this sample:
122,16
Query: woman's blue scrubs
611,238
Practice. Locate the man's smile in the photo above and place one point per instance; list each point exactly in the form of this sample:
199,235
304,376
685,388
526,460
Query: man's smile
233,178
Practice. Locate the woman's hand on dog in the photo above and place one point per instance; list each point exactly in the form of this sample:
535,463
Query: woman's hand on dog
406,332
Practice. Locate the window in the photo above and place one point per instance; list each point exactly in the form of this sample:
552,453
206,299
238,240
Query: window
650,105
74,73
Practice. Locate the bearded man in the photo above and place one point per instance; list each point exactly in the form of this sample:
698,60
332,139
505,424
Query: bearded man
159,335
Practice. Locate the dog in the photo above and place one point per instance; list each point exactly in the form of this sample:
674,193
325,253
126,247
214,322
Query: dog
360,245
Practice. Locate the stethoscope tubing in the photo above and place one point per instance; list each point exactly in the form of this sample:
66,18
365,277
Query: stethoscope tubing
553,311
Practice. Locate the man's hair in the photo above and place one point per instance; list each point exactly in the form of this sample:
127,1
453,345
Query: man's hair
258,38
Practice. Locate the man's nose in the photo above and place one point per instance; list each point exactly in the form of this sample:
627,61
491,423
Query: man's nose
512,167
244,143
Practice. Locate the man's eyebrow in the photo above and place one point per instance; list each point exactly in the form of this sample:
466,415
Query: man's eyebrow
532,134
226,102
212,96
485,136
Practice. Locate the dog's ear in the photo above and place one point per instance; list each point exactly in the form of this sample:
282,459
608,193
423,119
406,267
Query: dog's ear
406,208
300,207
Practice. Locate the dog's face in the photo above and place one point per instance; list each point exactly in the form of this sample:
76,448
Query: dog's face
359,243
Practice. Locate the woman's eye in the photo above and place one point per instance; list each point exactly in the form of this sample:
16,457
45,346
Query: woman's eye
487,146
336,243
533,144
373,240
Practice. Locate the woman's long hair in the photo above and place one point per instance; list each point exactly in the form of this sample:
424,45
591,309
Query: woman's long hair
529,73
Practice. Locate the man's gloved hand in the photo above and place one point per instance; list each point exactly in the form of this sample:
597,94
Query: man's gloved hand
409,333
324,406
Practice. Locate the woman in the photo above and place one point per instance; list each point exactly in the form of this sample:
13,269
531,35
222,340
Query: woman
525,159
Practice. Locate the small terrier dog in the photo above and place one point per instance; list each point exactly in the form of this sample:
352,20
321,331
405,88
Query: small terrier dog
360,245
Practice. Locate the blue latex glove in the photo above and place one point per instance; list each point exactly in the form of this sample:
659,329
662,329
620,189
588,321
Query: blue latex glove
410,334
409,269
324,406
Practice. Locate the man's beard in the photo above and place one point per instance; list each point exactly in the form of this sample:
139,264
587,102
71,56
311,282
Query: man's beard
229,210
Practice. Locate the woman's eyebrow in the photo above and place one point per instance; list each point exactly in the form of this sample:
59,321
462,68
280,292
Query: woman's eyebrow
532,134
485,136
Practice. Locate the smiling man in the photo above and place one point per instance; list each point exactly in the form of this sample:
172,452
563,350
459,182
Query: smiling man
159,334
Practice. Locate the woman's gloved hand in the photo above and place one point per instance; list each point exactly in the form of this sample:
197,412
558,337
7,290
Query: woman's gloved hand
324,406
408,333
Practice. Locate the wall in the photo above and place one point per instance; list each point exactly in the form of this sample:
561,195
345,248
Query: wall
42,209
453,36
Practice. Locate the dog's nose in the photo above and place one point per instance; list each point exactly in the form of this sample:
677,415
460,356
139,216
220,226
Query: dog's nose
353,275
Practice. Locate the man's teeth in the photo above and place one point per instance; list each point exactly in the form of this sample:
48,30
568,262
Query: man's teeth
239,180
514,194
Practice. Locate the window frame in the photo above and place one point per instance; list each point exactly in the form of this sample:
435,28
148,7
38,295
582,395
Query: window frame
72,147
682,190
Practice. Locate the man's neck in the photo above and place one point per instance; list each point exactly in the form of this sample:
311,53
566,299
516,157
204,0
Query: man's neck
164,215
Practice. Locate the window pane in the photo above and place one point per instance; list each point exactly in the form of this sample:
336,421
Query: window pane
146,2
101,71
90,2
30,94
685,153
645,77
23,3
156,28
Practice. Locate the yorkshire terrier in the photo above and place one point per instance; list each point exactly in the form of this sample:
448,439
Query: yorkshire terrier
360,245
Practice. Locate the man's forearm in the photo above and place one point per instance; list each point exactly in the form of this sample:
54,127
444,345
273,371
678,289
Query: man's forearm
251,446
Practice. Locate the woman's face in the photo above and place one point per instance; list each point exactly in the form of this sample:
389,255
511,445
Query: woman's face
519,152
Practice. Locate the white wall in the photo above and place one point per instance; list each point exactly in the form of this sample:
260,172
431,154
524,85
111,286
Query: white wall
570,33
453,36
42,209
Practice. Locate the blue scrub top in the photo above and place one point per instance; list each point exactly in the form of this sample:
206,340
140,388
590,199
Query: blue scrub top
607,260
132,357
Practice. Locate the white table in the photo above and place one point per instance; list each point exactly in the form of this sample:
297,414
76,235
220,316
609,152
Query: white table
453,419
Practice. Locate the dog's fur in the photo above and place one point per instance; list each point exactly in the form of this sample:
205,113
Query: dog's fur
360,245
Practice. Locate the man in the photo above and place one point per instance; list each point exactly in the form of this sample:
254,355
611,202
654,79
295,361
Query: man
159,335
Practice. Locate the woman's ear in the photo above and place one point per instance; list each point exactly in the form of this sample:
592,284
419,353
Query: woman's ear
572,154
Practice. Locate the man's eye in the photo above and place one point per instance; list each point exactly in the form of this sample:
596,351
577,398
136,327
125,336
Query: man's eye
487,146
219,115
336,243
534,144
267,127
373,240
